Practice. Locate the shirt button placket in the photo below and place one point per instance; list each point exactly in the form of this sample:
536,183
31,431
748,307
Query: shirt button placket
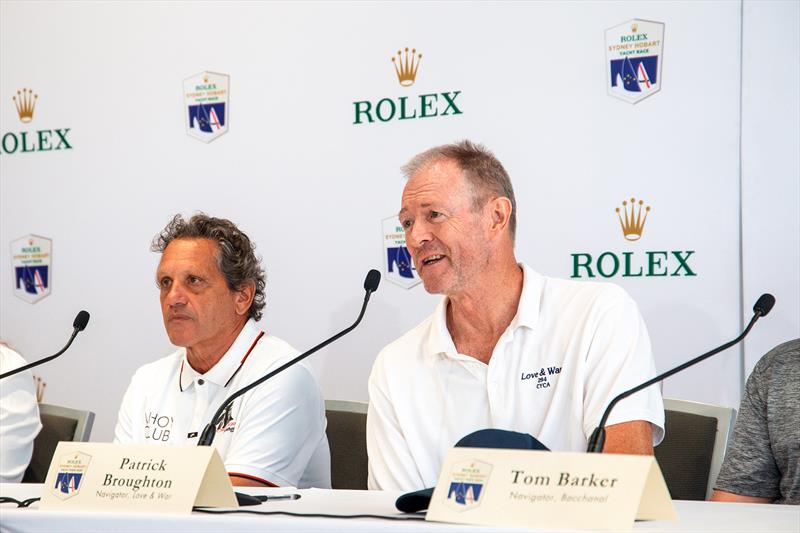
200,403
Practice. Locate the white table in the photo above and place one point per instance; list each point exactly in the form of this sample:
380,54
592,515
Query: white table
692,516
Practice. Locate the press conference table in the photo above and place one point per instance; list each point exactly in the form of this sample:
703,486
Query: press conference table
692,516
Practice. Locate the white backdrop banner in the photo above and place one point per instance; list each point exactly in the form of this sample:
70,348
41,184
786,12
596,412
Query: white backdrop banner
617,121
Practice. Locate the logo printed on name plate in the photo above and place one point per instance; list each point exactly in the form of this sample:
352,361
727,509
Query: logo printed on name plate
206,105
397,264
406,64
632,215
466,484
634,54
71,470
44,140
31,261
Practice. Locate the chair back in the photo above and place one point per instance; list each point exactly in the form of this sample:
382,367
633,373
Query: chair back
58,424
347,438
693,448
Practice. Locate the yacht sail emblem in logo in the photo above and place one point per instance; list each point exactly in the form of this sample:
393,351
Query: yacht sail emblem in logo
31,259
634,58
71,471
206,105
398,266
467,483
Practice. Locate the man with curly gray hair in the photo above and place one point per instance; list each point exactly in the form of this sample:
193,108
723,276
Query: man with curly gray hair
211,287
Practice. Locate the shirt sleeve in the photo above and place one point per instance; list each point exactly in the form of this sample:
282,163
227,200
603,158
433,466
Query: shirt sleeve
19,425
749,468
619,358
281,424
391,465
123,432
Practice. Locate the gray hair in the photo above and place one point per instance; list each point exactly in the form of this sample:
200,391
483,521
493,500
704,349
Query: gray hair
482,170
236,257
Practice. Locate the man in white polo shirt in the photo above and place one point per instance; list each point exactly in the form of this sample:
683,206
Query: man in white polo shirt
212,293
19,417
506,348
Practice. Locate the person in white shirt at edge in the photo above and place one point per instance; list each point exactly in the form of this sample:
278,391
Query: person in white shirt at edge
19,417
212,293
507,348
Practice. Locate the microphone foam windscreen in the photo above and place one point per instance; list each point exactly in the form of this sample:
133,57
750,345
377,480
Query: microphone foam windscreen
81,319
372,280
764,304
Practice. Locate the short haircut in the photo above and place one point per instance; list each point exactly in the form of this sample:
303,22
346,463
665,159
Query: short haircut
482,170
236,258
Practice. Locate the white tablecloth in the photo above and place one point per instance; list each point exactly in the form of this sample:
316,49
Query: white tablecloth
692,516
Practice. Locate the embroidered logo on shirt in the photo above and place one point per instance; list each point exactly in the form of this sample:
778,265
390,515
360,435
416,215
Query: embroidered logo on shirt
226,423
542,376
157,427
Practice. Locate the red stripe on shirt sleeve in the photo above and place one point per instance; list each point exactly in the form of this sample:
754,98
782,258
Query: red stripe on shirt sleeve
254,478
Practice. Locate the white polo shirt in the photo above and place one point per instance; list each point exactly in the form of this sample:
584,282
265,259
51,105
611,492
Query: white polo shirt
275,433
19,417
571,348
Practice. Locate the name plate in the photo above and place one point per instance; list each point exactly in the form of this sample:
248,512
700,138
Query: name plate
92,476
557,490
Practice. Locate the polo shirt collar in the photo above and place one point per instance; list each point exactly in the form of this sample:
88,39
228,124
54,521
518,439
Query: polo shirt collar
221,373
530,300
439,340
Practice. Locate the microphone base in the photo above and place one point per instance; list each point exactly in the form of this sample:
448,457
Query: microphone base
245,499
207,437
597,441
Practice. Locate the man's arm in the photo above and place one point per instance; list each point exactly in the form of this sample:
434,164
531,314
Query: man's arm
391,465
278,430
123,431
749,472
722,496
635,438
620,358
19,425
241,481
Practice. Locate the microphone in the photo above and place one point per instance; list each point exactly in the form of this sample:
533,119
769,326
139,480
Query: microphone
597,440
78,325
370,285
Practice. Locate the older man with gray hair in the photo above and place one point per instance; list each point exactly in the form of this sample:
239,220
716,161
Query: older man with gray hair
211,287
506,348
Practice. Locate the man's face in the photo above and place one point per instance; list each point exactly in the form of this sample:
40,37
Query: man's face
446,237
196,303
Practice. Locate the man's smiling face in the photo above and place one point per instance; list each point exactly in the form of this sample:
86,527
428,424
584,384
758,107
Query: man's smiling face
445,233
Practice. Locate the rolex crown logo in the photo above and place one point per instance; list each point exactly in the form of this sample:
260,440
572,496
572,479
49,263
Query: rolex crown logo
25,101
406,65
632,217
634,27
